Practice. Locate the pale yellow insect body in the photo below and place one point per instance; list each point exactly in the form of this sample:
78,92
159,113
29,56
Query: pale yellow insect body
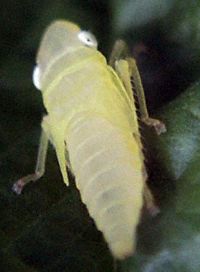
92,119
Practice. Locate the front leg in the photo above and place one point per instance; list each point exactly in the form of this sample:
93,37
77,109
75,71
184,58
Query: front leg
39,169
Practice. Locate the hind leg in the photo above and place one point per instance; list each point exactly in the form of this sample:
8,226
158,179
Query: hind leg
126,69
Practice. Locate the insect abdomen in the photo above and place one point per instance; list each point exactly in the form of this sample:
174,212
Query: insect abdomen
108,170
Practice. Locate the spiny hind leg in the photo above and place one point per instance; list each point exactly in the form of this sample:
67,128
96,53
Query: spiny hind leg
157,124
40,166
126,69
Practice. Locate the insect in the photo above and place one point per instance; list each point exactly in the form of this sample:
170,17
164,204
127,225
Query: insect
92,124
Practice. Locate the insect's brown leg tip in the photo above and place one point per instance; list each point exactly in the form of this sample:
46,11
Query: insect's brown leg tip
160,127
156,124
18,186
153,210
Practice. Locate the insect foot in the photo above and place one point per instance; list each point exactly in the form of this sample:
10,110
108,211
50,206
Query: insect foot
157,124
18,186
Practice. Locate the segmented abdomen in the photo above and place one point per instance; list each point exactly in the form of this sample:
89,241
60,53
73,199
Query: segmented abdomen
107,165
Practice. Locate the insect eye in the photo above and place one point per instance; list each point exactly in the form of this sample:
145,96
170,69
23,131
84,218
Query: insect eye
36,77
87,38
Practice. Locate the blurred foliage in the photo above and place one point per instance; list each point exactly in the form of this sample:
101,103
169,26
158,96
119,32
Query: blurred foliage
47,228
166,34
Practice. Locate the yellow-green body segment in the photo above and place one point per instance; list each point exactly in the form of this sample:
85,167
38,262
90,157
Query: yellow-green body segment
93,126
92,119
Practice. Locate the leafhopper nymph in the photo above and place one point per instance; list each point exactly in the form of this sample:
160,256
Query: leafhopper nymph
92,124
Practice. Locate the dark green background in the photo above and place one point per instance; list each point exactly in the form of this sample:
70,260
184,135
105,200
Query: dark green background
47,228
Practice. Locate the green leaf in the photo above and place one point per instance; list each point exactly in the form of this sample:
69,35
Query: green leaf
130,14
166,33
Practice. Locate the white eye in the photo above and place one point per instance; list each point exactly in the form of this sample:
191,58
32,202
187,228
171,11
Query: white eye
36,77
87,38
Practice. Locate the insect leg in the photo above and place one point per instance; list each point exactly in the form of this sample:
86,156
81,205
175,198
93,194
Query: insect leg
40,166
148,197
119,61
149,201
119,51
157,124
122,69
